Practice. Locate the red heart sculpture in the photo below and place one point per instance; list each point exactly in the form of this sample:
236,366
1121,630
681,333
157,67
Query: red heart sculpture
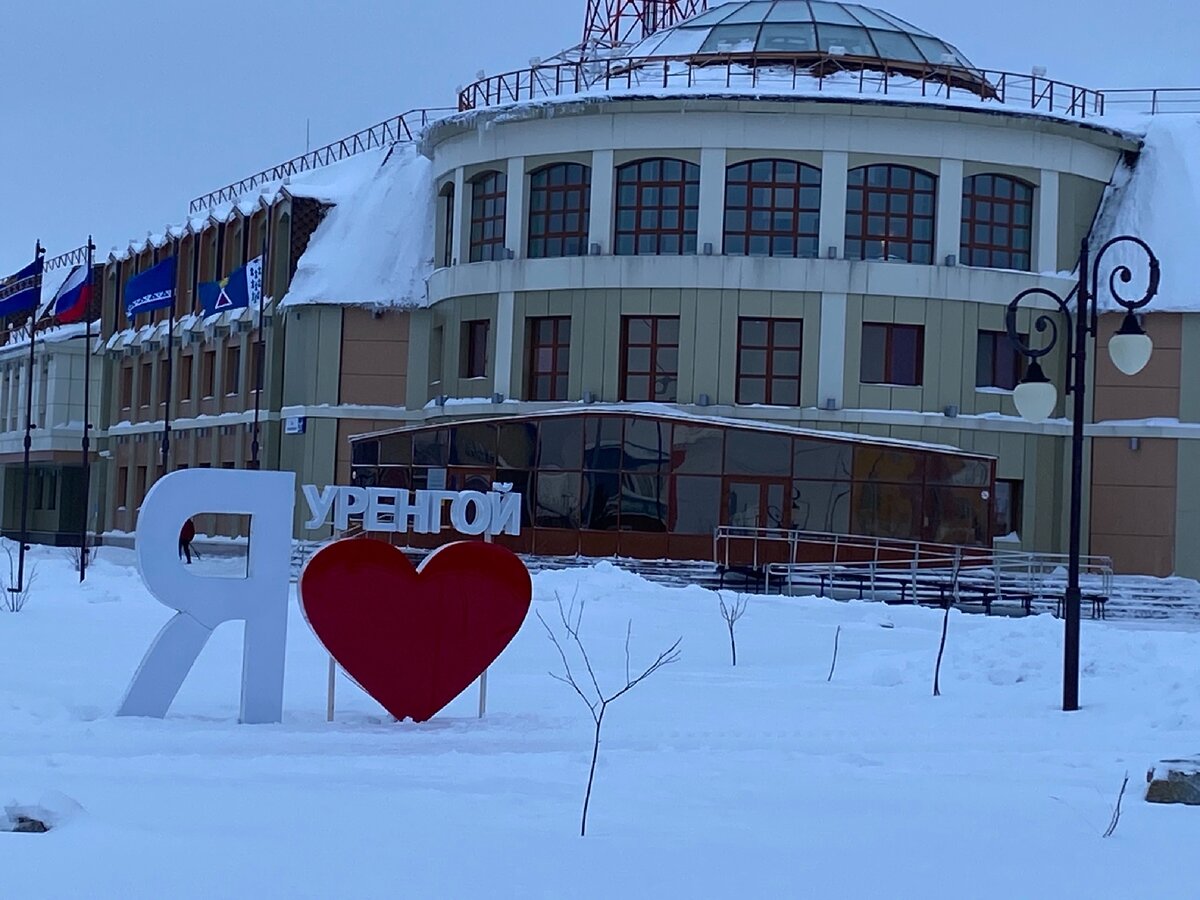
414,639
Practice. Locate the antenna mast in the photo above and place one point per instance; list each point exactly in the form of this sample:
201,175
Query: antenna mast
613,24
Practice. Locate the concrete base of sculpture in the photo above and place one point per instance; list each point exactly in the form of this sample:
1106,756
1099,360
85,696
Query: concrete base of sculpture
1175,781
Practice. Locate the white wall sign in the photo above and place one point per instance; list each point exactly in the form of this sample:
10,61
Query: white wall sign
202,603
294,424
400,511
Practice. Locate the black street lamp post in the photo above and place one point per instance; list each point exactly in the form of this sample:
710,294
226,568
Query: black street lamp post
1035,396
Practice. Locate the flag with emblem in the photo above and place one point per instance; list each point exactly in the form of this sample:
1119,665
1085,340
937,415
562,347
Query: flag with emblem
21,291
239,289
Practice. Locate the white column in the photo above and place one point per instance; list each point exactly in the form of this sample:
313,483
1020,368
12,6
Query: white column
949,211
831,361
600,224
505,315
514,207
711,227
834,164
1046,255
462,216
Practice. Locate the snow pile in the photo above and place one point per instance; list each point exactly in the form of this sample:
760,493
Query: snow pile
375,246
1158,200
762,780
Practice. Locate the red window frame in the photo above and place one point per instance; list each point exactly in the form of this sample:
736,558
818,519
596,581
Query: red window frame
773,208
658,207
772,348
560,202
998,364
474,348
549,358
489,206
890,375
891,213
997,222
654,358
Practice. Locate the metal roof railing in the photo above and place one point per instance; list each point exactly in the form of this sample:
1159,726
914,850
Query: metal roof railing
402,128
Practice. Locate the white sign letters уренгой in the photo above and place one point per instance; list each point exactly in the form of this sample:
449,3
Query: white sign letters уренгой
397,510
260,600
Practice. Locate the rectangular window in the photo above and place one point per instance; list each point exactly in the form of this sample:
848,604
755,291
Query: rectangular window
126,385
549,355
122,486
144,392
233,369
208,365
769,361
997,362
448,235
185,376
892,354
473,352
1008,507
649,358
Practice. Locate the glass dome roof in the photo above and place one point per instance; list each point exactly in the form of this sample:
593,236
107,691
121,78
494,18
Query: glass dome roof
801,28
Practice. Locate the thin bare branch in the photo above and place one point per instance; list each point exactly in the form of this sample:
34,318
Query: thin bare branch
1116,816
569,677
668,656
628,636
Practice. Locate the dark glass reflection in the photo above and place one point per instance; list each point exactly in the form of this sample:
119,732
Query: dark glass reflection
473,444
517,445
757,453
601,500
821,459
431,448
557,500
647,444
821,506
956,515
602,443
643,502
887,510
560,443
396,449
365,453
697,450
695,504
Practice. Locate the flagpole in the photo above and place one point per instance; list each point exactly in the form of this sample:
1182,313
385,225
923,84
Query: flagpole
87,425
166,441
40,251
260,361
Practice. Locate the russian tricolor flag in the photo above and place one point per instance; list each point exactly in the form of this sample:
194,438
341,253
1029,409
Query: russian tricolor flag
71,301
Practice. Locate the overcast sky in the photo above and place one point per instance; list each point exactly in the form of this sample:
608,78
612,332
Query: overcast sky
115,113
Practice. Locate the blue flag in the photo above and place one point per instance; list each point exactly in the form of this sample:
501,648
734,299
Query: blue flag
23,290
153,289
235,291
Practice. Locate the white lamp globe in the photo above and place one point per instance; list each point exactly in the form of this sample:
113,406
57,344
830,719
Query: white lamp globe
1130,347
1035,397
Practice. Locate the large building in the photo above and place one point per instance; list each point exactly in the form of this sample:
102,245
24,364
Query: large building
782,234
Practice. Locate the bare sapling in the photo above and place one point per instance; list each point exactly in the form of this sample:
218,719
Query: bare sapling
588,690
1116,816
833,665
14,600
731,612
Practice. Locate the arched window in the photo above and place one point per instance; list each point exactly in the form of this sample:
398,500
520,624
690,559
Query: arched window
997,223
658,207
559,201
489,193
772,208
448,224
889,214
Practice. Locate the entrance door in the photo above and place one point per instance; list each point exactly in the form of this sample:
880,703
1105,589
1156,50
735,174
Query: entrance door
761,503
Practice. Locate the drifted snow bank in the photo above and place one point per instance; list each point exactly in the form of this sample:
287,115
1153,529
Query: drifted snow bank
375,246
1158,200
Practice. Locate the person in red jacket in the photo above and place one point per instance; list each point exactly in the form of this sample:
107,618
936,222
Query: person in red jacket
187,534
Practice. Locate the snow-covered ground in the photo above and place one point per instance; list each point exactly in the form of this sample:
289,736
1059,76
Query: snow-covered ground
759,781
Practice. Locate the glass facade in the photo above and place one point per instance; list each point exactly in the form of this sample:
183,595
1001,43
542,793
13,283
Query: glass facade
651,486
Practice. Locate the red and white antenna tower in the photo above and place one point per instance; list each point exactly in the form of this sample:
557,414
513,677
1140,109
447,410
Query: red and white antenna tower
617,23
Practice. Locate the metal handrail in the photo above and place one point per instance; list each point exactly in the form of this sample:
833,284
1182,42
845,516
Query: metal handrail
1156,101
767,70
402,128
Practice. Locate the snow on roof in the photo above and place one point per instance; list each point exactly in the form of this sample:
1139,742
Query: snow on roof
1158,200
375,247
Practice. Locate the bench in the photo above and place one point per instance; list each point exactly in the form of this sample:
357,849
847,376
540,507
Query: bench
1098,601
